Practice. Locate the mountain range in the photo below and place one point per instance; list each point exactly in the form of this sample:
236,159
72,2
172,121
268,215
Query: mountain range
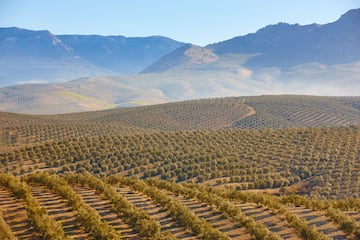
115,71
40,56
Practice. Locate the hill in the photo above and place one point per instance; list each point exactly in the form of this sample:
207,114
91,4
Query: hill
249,112
266,167
39,56
211,132
119,54
284,45
280,46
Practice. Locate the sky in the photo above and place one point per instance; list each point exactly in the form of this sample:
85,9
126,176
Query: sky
199,22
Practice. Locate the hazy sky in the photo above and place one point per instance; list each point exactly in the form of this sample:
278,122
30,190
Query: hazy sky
196,21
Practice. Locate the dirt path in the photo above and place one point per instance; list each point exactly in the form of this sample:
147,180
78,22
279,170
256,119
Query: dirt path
355,215
106,211
15,215
319,220
272,221
59,211
214,217
156,212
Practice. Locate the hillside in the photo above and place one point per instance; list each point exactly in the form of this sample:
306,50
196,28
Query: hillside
265,167
119,54
280,45
198,136
39,56
283,45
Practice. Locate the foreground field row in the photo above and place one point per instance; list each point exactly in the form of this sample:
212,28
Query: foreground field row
85,207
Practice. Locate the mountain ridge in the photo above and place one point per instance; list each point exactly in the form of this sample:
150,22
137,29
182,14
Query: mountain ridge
30,56
193,72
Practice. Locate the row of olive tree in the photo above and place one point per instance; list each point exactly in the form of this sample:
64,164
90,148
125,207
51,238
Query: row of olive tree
88,216
5,230
258,230
346,223
135,217
270,202
179,212
39,218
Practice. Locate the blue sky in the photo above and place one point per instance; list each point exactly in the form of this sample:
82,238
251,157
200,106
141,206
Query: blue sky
196,21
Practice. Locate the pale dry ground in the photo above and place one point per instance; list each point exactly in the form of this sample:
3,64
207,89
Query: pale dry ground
215,218
15,215
58,210
156,212
275,223
106,211
319,220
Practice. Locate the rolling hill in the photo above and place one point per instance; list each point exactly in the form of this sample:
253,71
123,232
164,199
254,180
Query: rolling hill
265,167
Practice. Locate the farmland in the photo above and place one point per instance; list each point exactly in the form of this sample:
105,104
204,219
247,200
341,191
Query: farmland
266,167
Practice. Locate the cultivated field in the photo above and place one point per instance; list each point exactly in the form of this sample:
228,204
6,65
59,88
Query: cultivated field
267,167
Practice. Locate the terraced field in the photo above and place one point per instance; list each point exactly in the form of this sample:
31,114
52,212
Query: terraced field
157,202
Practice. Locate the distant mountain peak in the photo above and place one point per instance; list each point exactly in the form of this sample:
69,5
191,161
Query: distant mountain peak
186,55
285,45
199,55
40,56
353,14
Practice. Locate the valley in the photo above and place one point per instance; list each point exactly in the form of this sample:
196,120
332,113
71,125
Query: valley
110,137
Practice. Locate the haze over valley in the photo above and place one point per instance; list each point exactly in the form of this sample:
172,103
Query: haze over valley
70,73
